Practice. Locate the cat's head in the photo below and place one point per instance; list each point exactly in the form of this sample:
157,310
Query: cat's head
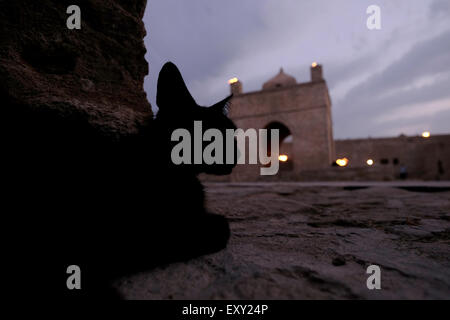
178,110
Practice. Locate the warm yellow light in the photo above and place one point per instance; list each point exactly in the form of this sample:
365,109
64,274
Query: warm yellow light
233,80
342,162
426,134
369,162
283,157
314,64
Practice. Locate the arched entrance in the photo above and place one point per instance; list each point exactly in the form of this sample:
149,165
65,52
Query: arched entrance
285,143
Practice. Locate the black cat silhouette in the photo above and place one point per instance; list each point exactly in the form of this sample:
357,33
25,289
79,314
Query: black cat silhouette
110,206
153,210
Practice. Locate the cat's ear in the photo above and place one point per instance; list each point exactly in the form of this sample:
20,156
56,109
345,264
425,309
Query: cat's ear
172,92
223,106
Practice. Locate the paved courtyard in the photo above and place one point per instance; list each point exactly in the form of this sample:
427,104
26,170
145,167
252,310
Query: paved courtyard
315,241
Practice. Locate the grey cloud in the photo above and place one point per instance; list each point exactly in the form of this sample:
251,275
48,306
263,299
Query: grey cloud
366,100
440,122
426,58
200,37
439,8
213,40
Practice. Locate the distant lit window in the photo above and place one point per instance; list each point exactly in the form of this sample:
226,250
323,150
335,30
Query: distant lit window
342,162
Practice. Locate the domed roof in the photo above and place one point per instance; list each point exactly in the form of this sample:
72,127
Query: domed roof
280,80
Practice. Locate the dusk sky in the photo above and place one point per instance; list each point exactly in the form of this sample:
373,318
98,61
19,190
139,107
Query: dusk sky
382,82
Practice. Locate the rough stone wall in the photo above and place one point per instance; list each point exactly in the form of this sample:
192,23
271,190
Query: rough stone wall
94,74
420,156
304,108
68,101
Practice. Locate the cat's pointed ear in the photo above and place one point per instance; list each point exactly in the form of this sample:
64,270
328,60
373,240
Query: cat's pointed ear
172,92
223,106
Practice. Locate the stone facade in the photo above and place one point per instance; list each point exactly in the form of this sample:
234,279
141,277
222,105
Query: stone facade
301,111
94,74
421,158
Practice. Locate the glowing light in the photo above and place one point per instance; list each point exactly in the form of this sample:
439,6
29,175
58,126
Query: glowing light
426,134
283,157
233,80
342,162
314,64
369,162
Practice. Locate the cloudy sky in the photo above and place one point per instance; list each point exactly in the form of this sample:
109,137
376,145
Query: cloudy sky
382,83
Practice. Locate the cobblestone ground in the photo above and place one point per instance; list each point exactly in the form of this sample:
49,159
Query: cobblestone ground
307,241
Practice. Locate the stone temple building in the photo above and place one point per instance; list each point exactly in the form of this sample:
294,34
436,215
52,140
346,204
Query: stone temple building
302,113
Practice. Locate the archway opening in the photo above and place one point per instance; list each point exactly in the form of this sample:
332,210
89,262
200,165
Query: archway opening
285,144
